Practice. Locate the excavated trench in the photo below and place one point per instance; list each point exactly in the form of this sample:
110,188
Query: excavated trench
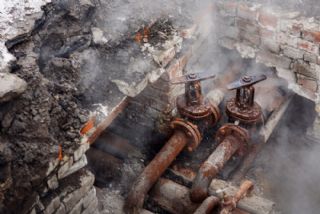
127,150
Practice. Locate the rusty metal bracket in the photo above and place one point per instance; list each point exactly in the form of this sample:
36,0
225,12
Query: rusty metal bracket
243,108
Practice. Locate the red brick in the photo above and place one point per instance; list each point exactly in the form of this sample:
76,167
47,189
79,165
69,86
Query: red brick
247,25
313,36
267,34
267,19
308,84
296,29
174,70
308,46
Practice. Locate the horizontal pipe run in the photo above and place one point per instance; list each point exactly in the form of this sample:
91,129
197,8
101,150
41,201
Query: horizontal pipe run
211,167
172,197
208,205
154,170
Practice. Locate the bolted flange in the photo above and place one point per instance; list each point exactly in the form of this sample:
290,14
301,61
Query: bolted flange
239,133
191,130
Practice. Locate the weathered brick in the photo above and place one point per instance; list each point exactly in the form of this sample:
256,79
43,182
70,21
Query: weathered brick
228,43
247,11
228,8
230,32
285,39
53,182
247,25
267,18
65,167
286,74
249,37
311,35
267,34
310,57
292,52
308,46
188,33
53,205
224,22
305,69
296,29
270,45
307,83
164,57
246,50
273,60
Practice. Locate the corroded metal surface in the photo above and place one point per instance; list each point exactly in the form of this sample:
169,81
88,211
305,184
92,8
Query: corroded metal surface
192,105
232,138
243,108
172,197
191,130
208,205
153,171
230,202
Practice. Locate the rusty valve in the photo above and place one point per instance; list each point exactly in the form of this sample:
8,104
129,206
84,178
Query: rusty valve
191,104
243,108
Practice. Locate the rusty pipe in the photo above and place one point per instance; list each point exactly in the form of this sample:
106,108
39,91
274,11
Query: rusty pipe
231,202
211,167
153,171
207,205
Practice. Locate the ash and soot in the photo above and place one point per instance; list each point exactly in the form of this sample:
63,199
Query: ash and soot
164,106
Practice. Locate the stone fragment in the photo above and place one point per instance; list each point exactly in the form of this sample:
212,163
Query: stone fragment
53,182
61,209
293,52
86,183
52,166
53,205
76,166
273,60
77,208
80,151
98,36
65,168
162,58
91,196
10,86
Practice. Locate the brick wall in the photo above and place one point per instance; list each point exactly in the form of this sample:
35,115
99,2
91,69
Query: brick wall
277,38
67,188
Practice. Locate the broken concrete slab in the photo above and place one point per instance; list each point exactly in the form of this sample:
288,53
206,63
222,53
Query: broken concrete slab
10,86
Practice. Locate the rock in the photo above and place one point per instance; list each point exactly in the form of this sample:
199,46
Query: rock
53,206
53,182
10,86
98,37
80,151
75,167
6,58
65,168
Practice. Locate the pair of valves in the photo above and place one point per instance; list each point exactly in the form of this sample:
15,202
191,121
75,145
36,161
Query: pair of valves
197,113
